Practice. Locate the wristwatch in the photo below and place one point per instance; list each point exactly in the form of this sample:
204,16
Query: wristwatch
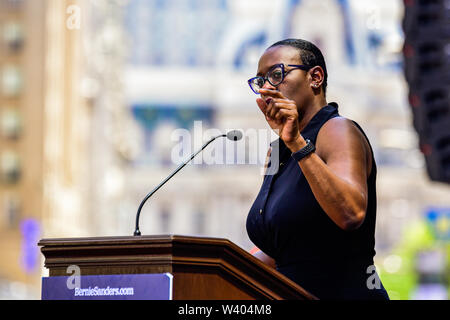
303,152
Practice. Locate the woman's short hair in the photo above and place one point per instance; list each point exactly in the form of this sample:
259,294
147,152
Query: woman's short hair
310,55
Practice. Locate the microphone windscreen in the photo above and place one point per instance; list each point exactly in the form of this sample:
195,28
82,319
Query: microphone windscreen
234,135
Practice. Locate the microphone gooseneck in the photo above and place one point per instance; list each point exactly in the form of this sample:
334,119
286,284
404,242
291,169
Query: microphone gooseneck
233,135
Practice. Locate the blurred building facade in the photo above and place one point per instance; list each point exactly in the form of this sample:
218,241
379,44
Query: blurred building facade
43,164
106,85
21,143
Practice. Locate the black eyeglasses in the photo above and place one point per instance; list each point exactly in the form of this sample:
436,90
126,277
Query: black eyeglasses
275,76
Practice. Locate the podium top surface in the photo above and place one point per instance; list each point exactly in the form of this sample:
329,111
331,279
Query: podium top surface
134,239
166,253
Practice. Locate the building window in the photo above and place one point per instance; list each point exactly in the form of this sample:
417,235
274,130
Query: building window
10,123
13,36
11,81
11,210
9,167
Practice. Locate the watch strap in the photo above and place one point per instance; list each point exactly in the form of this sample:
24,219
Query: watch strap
303,152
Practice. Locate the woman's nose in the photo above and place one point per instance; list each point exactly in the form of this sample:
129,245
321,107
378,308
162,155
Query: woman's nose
267,85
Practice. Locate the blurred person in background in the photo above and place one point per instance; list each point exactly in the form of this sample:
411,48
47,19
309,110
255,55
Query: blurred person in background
314,219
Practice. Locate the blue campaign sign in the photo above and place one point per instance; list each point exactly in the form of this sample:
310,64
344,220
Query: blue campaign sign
109,287
439,218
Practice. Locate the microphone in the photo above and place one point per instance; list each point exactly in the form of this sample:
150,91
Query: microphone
233,135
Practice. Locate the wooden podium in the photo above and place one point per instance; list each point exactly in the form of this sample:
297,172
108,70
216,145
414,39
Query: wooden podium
202,268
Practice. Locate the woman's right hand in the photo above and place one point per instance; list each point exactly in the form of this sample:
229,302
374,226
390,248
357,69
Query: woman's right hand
281,115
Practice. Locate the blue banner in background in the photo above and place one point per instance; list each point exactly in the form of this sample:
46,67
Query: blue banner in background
108,287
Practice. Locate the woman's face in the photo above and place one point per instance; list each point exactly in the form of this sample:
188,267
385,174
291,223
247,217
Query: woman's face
296,84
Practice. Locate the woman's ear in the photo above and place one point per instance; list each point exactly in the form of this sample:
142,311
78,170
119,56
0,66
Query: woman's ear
317,76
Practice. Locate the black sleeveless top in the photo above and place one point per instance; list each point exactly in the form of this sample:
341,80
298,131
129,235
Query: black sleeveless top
288,224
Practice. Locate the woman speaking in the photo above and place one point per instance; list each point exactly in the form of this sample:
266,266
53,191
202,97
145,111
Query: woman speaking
314,219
